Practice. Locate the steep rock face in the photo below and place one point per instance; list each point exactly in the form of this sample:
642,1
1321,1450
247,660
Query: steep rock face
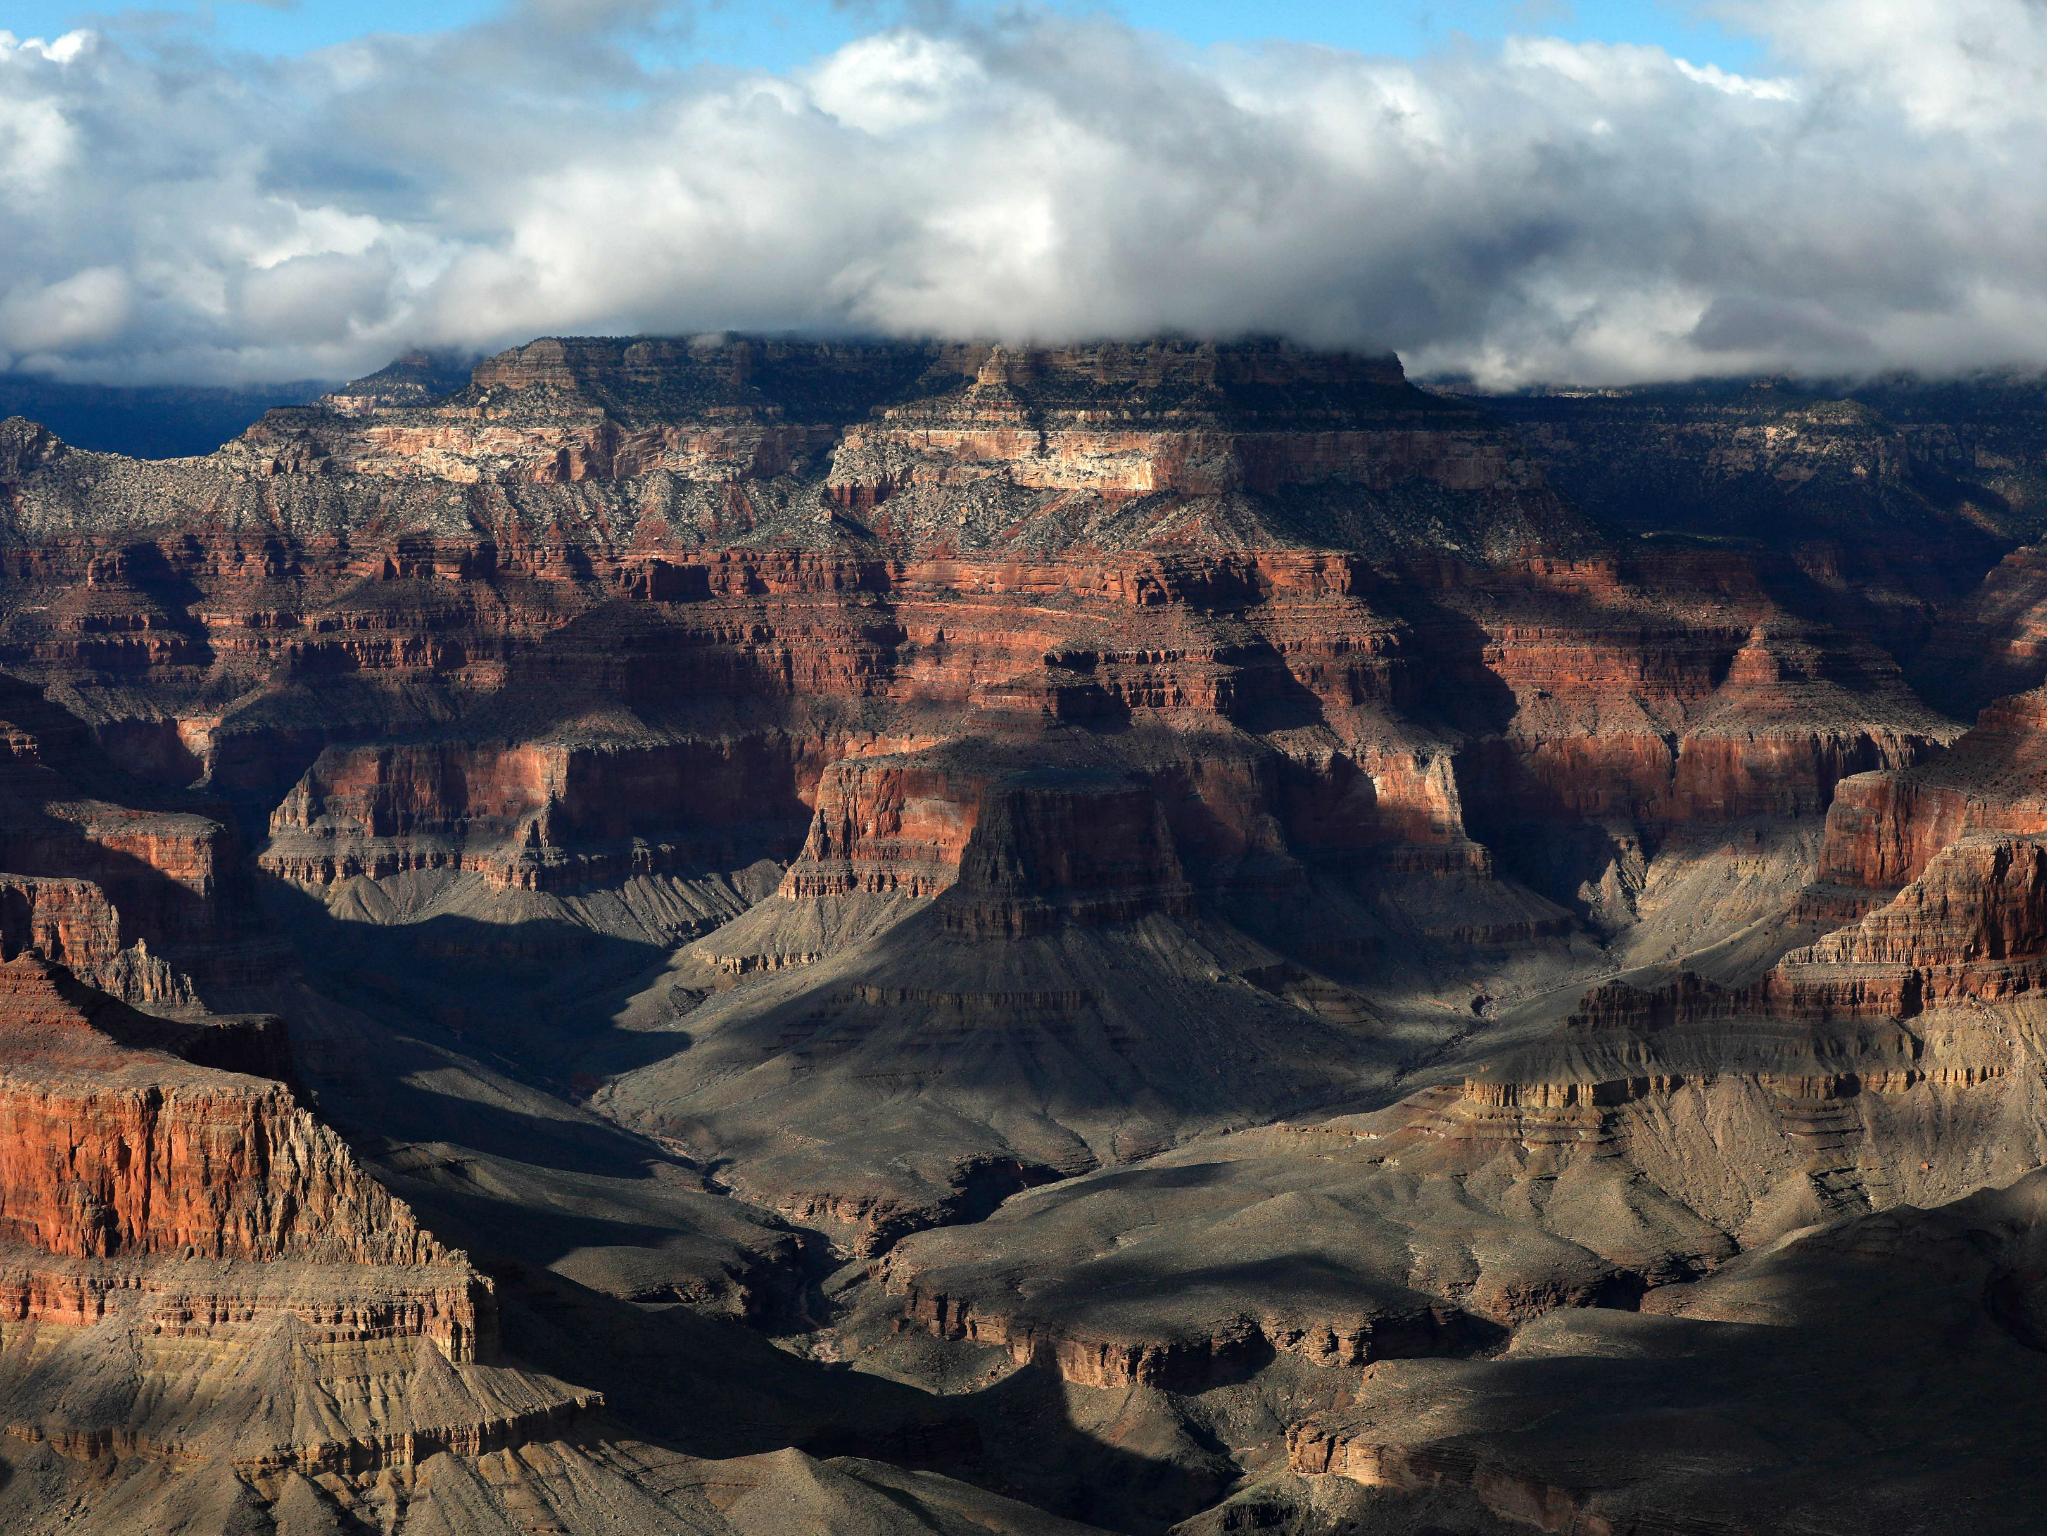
111,1150
1936,873
886,825
1969,925
1967,930
1053,846
1991,643
71,923
952,797
1632,715
145,892
535,815
1182,420
193,1268
1345,555
1728,1114
618,610
1883,828
1020,848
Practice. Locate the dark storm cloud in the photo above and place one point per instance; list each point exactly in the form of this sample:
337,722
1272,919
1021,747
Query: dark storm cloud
1544,210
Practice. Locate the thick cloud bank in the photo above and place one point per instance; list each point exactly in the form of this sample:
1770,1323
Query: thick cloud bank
1540,210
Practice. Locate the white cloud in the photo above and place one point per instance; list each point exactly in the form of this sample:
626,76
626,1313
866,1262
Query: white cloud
37,142
895,80
1712,75
37,146
1963,66
1546,210
82,310
62,51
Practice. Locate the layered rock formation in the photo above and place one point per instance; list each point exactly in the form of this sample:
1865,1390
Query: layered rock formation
1660,1133
1725,1367
1131,890
195,1268
72,923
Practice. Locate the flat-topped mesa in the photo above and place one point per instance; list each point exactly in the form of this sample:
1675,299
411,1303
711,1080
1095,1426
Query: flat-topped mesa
1193,1359
893,825
1412,1232
1015,850
618,447
724,410
818,380
1340,1242
639,380
1197,419
1717,456
1016,840
558,410
1065,845
1118,419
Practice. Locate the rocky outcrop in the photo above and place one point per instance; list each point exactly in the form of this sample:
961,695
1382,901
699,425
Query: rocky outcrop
1228,1350
1969,926
71,923
1053,846
533,816
871,1225
143,894
198,1238
1938,871
987,805
1968,930
1489,1431
1731,1113
1189,420
110,1150
1282,542
887,825
1883,829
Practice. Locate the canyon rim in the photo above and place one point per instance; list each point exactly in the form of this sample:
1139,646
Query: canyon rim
746,934
1022,873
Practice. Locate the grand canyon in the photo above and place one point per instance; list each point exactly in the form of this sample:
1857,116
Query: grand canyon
745,935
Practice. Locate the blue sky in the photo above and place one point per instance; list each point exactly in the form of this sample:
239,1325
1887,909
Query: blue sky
779,34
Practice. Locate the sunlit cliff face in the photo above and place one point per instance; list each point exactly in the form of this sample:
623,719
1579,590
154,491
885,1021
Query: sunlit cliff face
1119,932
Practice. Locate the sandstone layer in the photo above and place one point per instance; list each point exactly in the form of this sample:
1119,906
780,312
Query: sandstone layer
973,938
